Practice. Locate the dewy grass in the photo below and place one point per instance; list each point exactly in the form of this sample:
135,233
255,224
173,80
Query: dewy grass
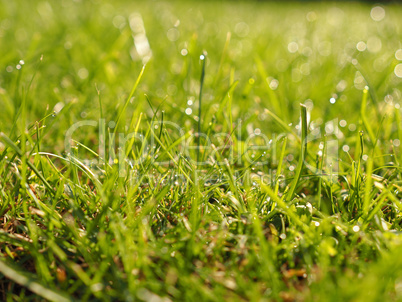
113,186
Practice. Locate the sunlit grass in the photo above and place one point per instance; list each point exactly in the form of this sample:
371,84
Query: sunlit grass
294,193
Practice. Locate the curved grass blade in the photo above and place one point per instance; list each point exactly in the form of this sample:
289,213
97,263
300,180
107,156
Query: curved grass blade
33,285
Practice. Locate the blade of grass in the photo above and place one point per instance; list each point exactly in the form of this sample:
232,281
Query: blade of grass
32,284
303,152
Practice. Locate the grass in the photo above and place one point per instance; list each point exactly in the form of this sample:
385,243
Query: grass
292,191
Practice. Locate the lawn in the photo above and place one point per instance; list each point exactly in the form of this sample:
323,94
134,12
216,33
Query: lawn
200,151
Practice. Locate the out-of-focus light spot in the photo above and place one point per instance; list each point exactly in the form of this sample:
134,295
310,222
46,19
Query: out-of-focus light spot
365,157
377,13
354,62
189,111
343,123
242,29
359,81
309,104
361,46
9,68
397,106
398,54
257,131
329,128
189,102
274,84
83,73
341,86
18,66
119,22
345,148
291,168
184,52
173,34
374,44
356,228
305,69
58,107
22,62
202,57
319,153
396,142
352,127
388,99
332,100
311,16
293,47
398,70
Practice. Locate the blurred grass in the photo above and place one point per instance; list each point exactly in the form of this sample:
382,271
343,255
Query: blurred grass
178,233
